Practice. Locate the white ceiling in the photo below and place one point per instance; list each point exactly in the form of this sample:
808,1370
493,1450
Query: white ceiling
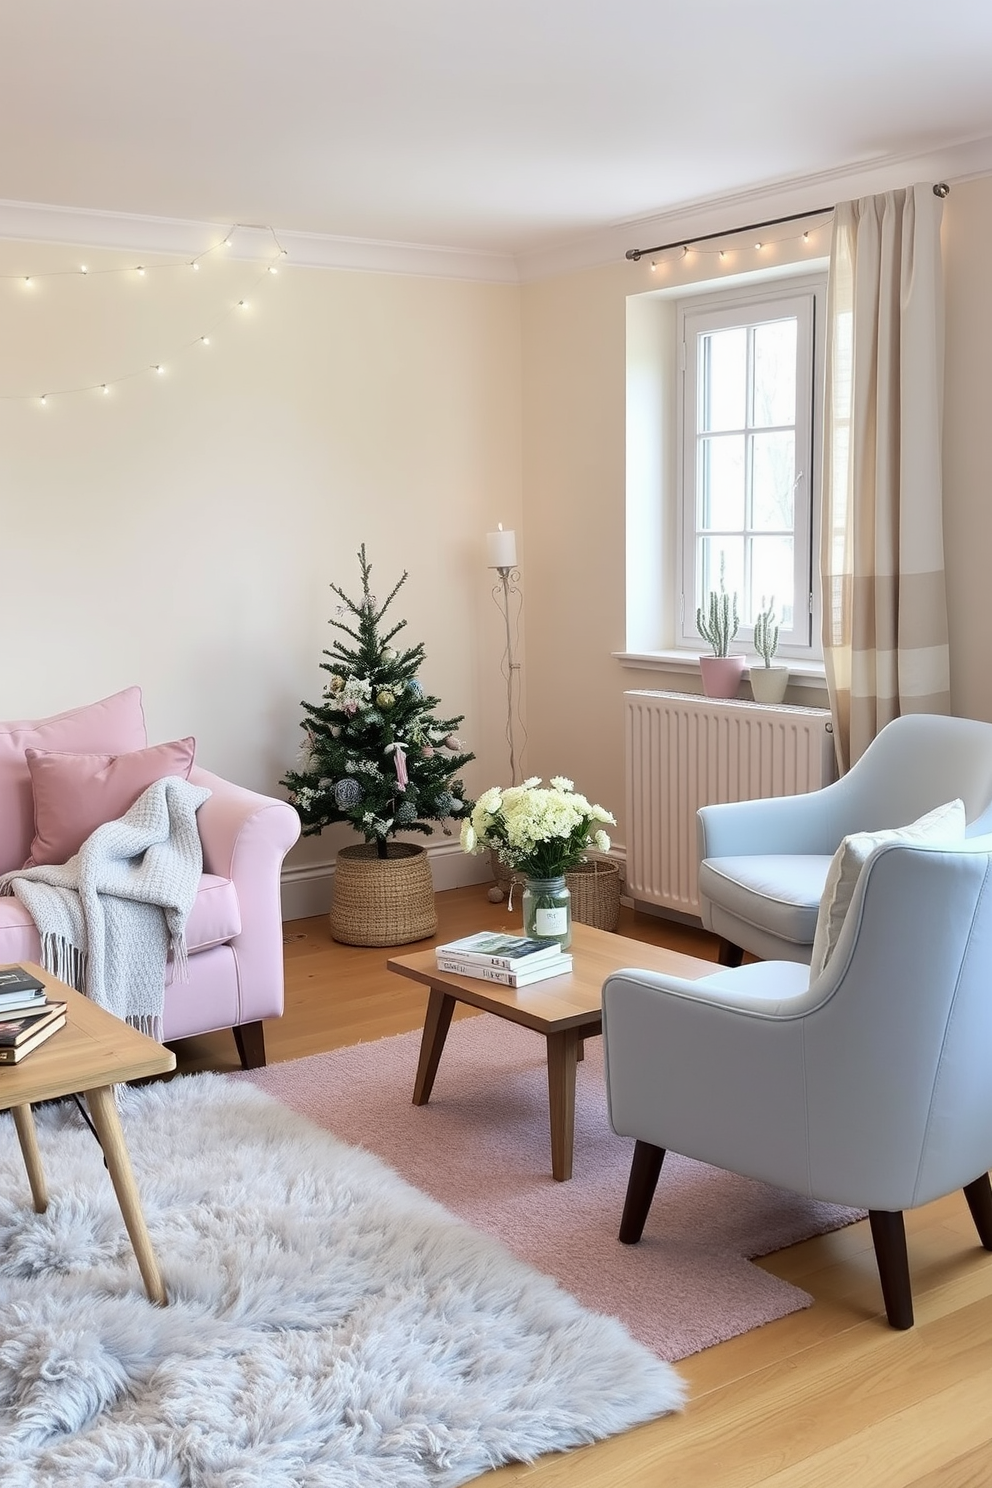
509,128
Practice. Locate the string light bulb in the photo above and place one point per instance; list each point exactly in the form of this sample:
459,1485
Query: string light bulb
759,245
158,368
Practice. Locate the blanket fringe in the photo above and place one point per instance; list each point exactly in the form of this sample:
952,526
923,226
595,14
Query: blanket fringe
64,960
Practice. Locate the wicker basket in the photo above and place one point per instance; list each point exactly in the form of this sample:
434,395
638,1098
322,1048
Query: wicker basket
595,891
382,901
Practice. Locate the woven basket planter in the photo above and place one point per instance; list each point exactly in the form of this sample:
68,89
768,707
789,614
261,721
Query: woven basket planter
382,901
595,891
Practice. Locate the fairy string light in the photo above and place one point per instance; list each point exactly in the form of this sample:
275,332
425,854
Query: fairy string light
159,366
679,252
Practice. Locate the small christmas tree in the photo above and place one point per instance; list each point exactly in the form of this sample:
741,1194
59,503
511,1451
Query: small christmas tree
374,753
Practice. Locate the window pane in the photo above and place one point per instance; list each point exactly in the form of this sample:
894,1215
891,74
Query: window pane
710,551
724,379
772,577
773,481
775,373
721,482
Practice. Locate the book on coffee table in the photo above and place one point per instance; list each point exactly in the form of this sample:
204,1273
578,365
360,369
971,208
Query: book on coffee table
560,964
496,948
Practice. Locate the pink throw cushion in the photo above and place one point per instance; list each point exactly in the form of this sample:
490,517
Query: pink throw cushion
114,724
76,793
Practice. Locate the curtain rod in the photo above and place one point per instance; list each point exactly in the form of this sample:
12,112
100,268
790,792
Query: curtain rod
940,189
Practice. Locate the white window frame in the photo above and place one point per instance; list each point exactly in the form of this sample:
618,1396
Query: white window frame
805,297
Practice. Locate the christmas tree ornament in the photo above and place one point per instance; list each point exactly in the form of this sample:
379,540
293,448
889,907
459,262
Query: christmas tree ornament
347,793
385,699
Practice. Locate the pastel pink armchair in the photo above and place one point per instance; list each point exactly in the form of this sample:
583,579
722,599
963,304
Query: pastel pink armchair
234,931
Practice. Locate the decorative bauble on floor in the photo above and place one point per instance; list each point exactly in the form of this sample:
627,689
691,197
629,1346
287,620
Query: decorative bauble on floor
382,901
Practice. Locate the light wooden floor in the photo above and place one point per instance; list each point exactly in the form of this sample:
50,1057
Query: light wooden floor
828,1396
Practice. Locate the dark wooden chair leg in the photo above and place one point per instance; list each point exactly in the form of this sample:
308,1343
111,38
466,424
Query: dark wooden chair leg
729,954
888,1232
979,1196
250,1039
644,1170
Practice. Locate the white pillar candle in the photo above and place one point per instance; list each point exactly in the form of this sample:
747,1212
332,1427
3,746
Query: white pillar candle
502,549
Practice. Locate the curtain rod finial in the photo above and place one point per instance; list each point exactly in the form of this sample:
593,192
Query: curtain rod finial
942,189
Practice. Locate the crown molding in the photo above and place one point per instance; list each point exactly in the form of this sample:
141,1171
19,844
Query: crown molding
127,232
965,160
84,227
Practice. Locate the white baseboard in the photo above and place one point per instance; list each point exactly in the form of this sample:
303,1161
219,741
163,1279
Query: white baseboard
307,890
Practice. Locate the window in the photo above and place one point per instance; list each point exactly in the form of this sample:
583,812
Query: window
749,444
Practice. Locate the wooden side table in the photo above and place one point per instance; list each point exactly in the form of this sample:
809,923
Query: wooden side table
91,1054
565,1009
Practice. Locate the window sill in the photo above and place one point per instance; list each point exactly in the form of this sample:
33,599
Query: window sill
802,673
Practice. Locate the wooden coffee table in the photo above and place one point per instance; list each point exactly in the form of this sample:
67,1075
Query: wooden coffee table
91,1054
566,1009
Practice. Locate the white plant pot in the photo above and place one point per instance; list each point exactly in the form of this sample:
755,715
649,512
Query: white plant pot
768,684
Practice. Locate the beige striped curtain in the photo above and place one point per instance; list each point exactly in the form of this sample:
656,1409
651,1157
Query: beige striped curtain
882,548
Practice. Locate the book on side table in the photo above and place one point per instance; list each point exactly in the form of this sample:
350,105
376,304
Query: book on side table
23,1032
19,990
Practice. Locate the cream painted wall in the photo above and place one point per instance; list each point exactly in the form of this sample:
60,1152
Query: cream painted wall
575,476
967,236
181,532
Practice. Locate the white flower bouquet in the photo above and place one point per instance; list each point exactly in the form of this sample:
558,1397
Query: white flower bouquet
537,831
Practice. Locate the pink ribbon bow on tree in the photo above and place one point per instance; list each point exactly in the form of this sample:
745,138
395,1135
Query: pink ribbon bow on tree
399,760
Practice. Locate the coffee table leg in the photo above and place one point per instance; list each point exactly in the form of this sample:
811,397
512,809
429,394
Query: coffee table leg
563,1049
108,1129
28,1138
440,1006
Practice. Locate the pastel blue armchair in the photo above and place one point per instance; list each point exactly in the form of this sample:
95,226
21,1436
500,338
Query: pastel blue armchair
866,1085
763,864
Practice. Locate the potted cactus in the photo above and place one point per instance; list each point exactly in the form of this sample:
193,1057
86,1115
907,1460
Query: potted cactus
768,682
718,623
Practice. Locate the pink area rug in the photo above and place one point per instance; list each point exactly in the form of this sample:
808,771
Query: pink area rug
482,1148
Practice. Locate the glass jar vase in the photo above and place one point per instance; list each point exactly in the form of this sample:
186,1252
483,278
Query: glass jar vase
547,907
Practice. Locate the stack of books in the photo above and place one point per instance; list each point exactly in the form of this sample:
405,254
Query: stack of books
27,1018
511,960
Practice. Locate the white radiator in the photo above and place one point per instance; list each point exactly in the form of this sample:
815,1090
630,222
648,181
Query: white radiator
683,752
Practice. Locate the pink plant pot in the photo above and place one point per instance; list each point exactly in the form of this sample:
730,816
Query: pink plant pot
721,675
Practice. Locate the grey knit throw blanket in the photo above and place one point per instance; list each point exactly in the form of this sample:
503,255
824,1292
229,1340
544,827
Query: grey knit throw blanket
109,917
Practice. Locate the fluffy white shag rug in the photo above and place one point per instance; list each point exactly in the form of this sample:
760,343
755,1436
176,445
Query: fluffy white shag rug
328,1326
